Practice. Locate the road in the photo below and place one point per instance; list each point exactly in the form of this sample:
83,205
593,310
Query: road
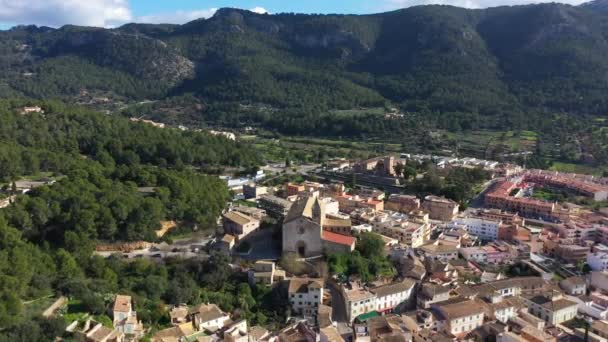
337,304
184,248
477,202
275,170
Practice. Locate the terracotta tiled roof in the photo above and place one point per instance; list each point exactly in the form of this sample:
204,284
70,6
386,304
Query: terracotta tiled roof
257,332
438,199
573,281
301,285
338,238
207,312
549,304
102,333
122,303
600,326
461,309
438,248
238,218
390,289
429,290
173,334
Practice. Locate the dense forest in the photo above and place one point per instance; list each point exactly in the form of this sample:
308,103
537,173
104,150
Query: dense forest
448,67
100,163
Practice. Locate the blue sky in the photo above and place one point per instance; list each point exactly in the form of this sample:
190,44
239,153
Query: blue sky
111,13
147,7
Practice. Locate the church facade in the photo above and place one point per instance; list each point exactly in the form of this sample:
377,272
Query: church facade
302,227
303,232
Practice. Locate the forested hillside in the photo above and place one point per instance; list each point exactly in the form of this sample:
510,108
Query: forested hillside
503,64
100,164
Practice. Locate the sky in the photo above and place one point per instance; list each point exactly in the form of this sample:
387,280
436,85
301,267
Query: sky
112,13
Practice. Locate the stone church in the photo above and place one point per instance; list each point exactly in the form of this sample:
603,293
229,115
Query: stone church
303,229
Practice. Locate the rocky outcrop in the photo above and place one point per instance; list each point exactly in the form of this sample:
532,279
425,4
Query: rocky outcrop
124,247
135,54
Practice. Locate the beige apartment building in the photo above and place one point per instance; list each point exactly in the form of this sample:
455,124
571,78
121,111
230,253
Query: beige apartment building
440,208
239,225
402,203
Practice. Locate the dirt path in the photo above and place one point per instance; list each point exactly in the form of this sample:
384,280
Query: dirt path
61,301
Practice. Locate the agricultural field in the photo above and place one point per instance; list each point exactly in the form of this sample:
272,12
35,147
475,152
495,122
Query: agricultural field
513,146
514,142
473,144
577,168
306,150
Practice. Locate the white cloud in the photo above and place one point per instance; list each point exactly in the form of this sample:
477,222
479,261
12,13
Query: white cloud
259,10
396,4
102,13
60,12
181,17
177,17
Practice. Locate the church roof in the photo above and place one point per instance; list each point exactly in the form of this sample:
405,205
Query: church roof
302,207
338,238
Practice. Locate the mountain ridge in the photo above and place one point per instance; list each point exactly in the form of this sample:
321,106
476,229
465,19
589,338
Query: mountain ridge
444,59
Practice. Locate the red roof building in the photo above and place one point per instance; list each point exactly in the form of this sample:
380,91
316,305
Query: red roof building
337,243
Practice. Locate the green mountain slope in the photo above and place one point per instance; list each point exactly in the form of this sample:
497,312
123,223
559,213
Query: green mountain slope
499,63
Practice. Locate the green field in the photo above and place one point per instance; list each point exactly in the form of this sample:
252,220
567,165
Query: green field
577,168
485,144
303,149
548,195
470,144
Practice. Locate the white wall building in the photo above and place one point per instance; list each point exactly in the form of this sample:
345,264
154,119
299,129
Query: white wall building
208,316
305,295
598,261
331,205
358,301
411,234
388,297
486,230
552,309
587,306
362,228
503,314
476,254
461,317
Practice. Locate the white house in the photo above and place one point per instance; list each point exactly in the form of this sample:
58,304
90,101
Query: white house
358,301
305,295
362,228
125,318
486,230
587,306
598,261
461,318
553,309
208,316
385,298
476,254
440,251
389,296
574,286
